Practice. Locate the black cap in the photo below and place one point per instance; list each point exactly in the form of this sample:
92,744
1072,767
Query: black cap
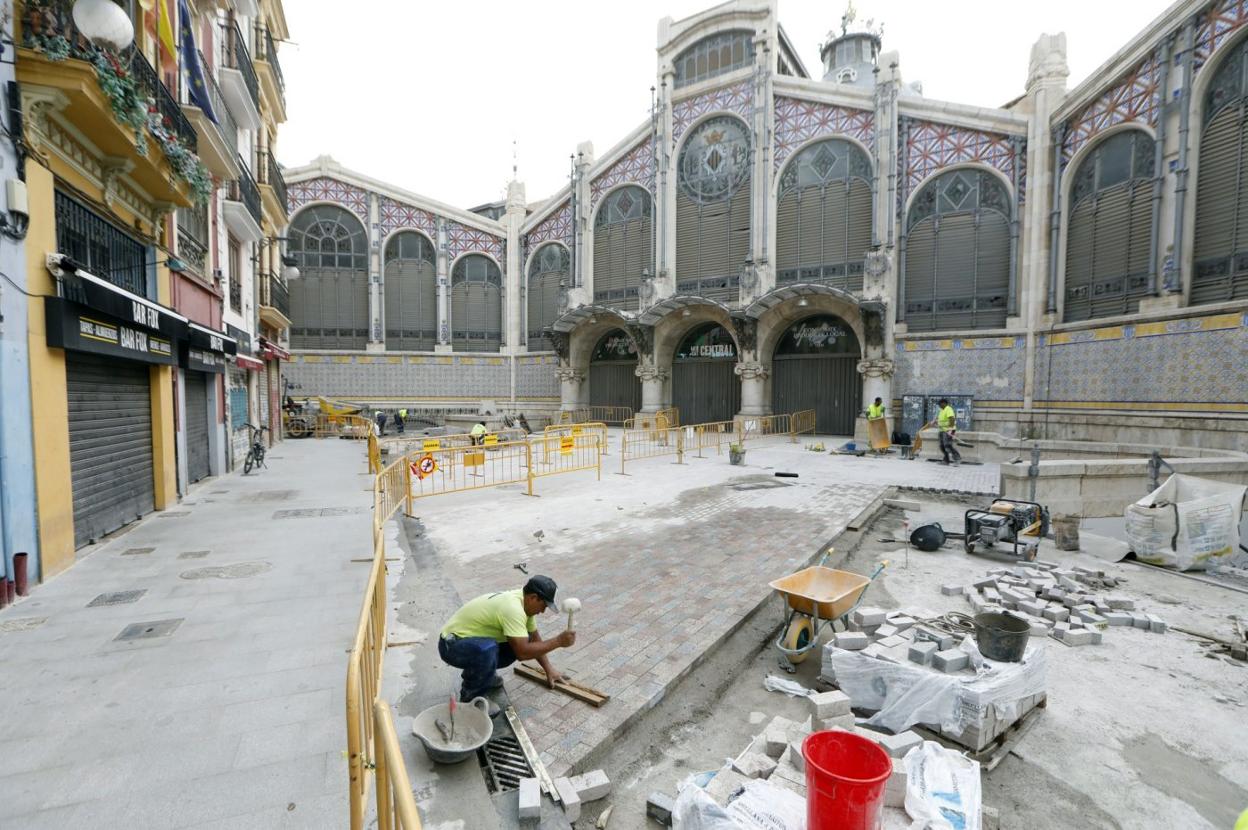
544,588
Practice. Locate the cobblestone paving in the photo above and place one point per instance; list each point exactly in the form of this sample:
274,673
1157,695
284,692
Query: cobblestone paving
661,585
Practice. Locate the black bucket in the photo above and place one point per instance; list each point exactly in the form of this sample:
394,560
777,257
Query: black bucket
1001,637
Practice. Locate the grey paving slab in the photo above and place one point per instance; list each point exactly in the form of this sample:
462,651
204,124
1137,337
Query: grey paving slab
235,716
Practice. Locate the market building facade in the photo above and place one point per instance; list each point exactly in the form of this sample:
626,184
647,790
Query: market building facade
1069,263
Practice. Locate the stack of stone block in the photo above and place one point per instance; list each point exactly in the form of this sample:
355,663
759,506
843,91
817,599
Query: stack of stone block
1070,604
898,637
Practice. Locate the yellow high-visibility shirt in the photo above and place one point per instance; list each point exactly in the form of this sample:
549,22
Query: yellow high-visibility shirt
947,420
477,430
874,411
499,616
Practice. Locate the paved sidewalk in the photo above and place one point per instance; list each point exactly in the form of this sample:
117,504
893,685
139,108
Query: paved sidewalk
235,718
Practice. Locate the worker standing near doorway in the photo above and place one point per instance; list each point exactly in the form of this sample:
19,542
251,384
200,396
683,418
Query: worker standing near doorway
381,421
947,423
876,410
478,433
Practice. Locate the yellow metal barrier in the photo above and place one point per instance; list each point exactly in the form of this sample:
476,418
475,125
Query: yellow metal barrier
436,472
715,434
554,454
672,414
802,422
396,806
391,493
613,415
652,443
754,427
599,429
648,420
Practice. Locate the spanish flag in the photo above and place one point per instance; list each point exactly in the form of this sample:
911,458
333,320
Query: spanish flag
165,26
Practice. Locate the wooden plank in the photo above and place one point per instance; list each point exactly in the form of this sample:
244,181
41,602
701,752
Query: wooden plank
877,431
569,687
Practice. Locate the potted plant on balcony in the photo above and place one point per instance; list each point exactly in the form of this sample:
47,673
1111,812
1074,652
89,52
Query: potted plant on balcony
736,454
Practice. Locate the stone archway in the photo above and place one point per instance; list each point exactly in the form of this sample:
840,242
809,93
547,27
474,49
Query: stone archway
673,319
576,334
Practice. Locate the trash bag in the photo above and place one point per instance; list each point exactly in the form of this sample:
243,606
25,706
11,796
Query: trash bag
1188,523
942,788
761,805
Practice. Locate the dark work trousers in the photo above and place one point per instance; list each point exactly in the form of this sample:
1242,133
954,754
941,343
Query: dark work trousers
399,422
478,658
947,447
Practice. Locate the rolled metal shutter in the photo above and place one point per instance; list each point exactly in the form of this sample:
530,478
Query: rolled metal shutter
1219,201
603,275
992,271
788,238
411,305
110,444
195,396
542,308
264,395
1080,251
858,236
491,311
615,383
638,257
955,270
687,242
812,212
921,276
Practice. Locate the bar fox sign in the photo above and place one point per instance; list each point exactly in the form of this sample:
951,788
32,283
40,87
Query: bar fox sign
77,328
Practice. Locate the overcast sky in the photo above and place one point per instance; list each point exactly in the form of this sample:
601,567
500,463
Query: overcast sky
431,95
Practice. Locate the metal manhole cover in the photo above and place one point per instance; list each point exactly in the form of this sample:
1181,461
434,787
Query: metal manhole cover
117,598
22,623
149,630
174,514
272,495
193,554
298,513
319,512
137,551
239,570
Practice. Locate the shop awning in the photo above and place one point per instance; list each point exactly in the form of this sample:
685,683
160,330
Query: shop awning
248,363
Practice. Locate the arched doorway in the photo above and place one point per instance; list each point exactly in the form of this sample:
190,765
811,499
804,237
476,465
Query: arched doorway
704,386
613,377
815,367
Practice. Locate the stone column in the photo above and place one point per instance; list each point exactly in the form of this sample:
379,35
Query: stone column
376,290
652,380
877,382
444,297
571,382
513,312
582,229
753,388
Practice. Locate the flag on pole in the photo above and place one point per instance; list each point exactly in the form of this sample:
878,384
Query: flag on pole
193,70
164,27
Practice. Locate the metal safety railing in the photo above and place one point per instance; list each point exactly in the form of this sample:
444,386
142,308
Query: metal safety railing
554,454
652,443
613,415
436,472
599,429
716,434
391,493
672,414
396,806
648,420
802,423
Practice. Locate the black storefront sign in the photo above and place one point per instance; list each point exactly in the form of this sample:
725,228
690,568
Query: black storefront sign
205,350
82,329
242,338
129,309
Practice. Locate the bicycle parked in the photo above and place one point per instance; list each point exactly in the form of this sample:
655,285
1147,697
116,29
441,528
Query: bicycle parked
255,453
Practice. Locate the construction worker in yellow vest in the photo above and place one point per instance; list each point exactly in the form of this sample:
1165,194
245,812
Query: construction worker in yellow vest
400,420
947,423
478,433
875,411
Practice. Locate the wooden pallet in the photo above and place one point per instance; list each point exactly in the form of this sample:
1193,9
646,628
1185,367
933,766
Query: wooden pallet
994,752
569,687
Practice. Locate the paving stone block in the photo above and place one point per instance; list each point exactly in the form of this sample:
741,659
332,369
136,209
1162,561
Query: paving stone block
852,640
978,603
1055,614
751,765
885,631
992,595
567,795
774,741
795,758
1061,629
950,660
922,633
1079,637
1140,620
530,798
921,653
1040,628
1097,637
891,642
902,622
594,785
898,745
1116,618
986,582
1156,624
1034,607
869,616
725,783
659,807
829,705
1120,603
1048,566
845,722
951,589
1093,619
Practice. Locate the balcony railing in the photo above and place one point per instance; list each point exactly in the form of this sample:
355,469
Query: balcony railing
273,293
271,174
267,52
49,27
236,57
236,294
225,120
244,190
193,236
170,110
103,249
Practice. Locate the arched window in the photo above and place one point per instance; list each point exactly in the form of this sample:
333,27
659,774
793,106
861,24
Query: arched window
548,269
411,290
823,218
1109,228
329,302
718,54
957,250
1220,250
476,305
713,209
623,247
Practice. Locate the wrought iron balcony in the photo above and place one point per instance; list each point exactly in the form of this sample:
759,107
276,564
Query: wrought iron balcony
244,190
274,294
193,237
236,294
225,119
237,57
171,115
266,51
270,173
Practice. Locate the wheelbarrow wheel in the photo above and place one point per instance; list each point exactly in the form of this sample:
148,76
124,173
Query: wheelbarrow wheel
799,636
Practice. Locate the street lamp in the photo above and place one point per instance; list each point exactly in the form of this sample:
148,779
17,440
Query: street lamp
104,22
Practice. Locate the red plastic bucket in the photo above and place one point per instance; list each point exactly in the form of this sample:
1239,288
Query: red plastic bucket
845,780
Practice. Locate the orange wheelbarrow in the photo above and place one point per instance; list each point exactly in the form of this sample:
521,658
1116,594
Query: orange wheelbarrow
815,597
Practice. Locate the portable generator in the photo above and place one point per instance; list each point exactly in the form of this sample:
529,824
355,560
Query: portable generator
1020,523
